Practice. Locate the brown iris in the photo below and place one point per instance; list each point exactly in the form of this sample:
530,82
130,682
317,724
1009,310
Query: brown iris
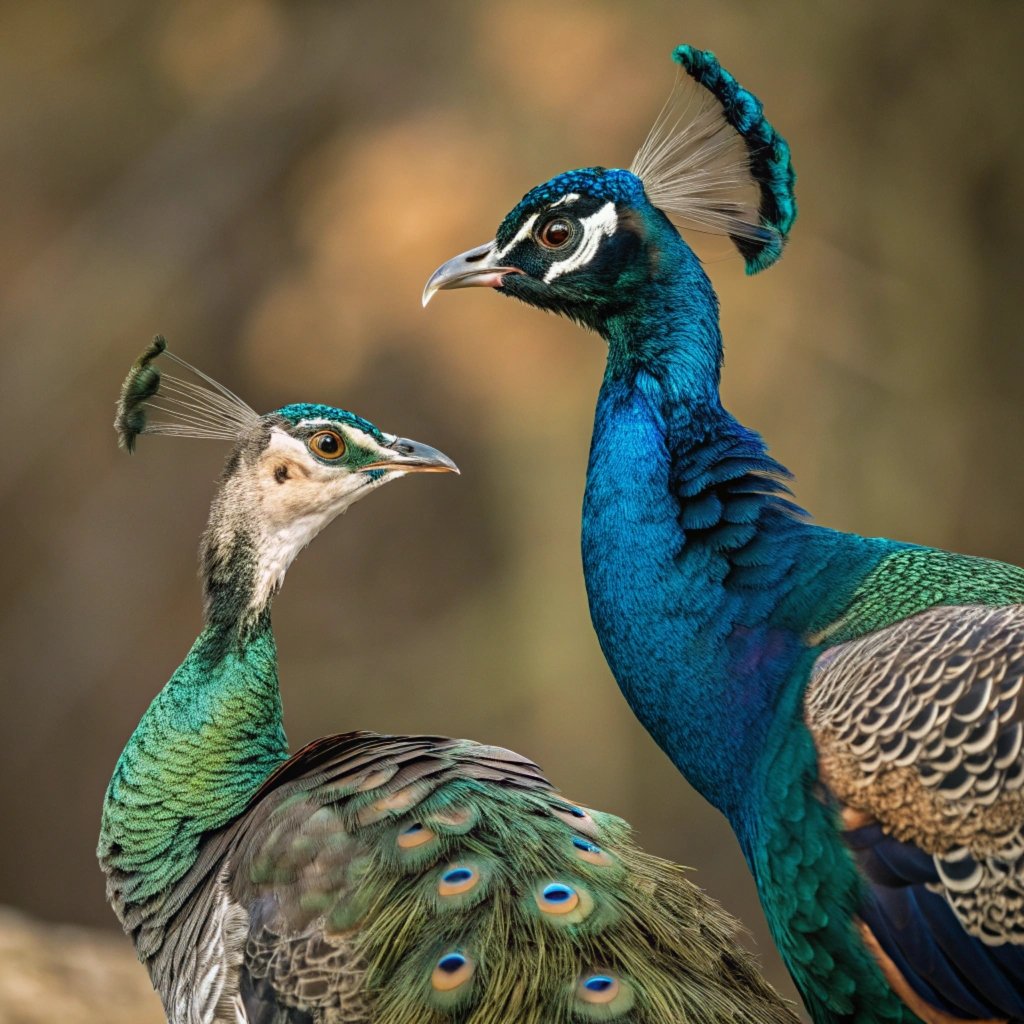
553,234
327,444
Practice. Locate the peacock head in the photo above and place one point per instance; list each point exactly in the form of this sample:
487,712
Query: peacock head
590,243
290,471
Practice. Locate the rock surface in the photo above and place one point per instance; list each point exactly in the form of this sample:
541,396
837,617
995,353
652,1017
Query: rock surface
69,974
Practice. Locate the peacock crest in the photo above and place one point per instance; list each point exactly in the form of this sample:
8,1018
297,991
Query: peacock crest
205,409
714,162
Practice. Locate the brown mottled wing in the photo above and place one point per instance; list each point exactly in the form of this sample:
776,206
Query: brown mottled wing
919,728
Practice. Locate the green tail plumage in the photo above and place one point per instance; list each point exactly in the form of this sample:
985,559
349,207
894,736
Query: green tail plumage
465,889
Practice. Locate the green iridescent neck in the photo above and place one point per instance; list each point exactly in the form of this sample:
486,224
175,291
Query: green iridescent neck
200,752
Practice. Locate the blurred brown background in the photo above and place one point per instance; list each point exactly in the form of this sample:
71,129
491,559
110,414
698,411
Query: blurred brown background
270,183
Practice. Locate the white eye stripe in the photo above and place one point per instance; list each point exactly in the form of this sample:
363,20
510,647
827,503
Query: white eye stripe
522,233
597,226
569,197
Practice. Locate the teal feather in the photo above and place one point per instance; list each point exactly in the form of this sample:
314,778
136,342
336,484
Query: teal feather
770,162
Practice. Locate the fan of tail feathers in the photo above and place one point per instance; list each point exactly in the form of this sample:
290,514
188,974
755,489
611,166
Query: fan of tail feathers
715,163
421,880
203,409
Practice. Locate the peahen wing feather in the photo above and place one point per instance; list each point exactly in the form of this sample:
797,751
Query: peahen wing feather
421,879
919,729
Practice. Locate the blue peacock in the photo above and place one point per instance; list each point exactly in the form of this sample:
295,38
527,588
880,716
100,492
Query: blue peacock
852,705
393,879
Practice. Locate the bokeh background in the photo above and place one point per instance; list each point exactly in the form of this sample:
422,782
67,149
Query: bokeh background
270,183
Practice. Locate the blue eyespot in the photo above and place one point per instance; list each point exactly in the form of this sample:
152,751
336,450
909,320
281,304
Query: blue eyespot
451,962
585,844
412,829
598,983
457,875
556,892
577,813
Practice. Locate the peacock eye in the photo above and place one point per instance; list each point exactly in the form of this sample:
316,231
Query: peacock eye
327,444
554,233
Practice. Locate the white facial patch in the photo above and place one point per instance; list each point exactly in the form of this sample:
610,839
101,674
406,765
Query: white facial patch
523,232
292,510
599,225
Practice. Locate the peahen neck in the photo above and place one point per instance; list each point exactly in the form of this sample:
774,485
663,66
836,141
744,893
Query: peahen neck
212,734
703,580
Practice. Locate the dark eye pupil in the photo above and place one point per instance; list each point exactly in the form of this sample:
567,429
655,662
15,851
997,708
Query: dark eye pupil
556,233
328,444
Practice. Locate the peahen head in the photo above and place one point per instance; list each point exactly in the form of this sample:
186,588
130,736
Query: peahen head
290,473
593,244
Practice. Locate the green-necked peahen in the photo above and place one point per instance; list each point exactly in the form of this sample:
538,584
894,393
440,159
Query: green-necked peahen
852,705
393,879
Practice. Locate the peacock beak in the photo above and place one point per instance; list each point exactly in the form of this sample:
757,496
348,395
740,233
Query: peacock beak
413,457
474,269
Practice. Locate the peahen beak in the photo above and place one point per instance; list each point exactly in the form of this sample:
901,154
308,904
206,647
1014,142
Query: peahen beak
413,457
474,269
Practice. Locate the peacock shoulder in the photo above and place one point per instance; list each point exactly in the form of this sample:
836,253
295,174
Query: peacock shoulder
912,579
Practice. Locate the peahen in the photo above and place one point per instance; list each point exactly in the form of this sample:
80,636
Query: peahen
852,705
393,879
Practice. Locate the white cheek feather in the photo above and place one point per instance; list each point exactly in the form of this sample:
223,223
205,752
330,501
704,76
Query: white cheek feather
522,233
597,226
294,511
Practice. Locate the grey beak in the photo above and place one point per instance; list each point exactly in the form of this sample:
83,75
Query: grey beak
474,269
414,457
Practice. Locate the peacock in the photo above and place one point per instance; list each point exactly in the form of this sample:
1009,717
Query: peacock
852,705
392,879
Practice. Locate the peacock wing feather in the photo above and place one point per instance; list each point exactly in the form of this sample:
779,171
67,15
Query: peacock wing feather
919,729
421,879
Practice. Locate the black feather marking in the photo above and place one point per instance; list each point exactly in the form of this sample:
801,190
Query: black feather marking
141,384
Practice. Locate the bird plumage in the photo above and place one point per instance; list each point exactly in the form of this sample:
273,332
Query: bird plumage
393,879
850,704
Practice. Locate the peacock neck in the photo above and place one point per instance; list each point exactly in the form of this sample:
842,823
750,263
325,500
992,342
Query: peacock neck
703,580
204,746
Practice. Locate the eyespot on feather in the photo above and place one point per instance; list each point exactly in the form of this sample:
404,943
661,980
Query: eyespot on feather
597,988
457,879
415,835
590,852
557,898
453,970
603,995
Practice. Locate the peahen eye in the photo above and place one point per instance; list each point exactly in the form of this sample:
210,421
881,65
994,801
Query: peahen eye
554,233
327,444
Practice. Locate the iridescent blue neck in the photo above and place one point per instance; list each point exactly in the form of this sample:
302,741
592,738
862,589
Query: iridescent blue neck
669,330
702,578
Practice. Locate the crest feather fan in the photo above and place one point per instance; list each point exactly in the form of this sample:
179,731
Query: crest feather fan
205,409
712,161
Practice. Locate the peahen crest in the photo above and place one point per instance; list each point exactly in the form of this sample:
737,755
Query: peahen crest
712,161
205,409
